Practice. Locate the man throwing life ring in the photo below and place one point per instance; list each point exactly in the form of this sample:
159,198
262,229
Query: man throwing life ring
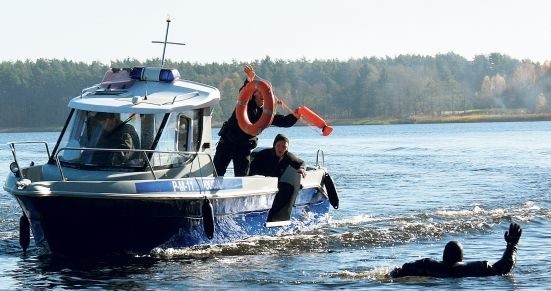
236,142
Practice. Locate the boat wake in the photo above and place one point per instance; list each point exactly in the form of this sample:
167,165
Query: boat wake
366,231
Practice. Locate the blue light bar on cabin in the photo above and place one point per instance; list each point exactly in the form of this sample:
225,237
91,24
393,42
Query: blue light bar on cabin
169,75
136,73
154,74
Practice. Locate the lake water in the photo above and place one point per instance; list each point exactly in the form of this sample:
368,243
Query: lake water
405,191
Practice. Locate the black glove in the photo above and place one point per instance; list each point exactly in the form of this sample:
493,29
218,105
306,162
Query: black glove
513,234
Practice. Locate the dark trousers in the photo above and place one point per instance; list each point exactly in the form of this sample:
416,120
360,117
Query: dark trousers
226,152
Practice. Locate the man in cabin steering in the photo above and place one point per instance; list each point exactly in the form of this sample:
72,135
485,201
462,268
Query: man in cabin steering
115,135
452,264
234,143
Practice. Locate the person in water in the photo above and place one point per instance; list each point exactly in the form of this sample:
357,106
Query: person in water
452,264
115,135
273,161
234,143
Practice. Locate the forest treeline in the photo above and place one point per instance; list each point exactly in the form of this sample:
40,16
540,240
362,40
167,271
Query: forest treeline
35,94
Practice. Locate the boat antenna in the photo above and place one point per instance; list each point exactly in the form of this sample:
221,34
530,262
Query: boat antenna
166,42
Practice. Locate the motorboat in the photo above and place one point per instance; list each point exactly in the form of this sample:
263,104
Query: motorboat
163,192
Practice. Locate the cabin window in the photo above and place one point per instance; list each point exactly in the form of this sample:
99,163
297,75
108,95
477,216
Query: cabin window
86,132
101,130
197,125
189,130
183,133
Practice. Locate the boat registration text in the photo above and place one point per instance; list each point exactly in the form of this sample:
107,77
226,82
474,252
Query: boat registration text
189,185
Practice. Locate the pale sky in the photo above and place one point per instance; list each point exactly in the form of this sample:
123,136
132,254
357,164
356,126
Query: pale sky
245,30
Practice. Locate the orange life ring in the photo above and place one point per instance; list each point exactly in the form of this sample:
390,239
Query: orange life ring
254,129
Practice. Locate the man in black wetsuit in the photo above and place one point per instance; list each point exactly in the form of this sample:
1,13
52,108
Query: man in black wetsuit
452,264
236,145
273,161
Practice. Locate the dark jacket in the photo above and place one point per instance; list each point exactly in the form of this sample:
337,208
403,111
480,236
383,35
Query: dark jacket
122,137
230,131
433,268
266,163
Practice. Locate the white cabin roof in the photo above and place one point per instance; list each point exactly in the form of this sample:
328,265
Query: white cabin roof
125,93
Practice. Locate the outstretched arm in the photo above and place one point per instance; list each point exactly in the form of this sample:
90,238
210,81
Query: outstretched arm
249,71
297,163
284,120
507,261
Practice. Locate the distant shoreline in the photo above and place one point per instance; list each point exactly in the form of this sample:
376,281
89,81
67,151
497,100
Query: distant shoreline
421,119
468,118
31,129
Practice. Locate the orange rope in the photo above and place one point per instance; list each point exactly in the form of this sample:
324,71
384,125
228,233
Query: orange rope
303,120
279,101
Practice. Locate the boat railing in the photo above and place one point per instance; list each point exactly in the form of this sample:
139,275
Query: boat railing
318,154
146,154
14,152
14,143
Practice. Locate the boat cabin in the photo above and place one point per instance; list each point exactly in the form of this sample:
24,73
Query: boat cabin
161,121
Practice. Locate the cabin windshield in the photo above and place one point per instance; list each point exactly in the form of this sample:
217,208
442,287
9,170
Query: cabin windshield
90,139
